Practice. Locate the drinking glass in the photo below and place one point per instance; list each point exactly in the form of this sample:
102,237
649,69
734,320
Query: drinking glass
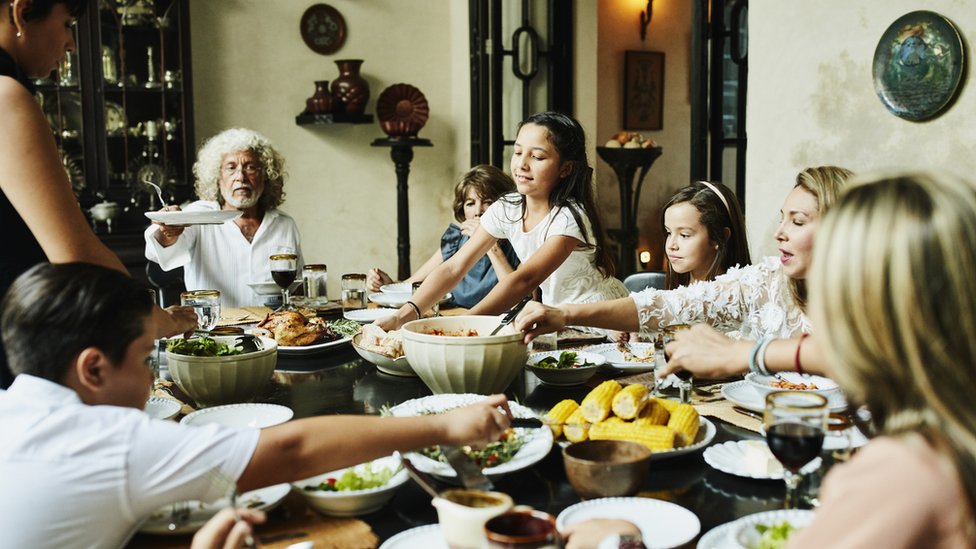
686,382
353,291
206,304
795,423
284,269
315,277
435,309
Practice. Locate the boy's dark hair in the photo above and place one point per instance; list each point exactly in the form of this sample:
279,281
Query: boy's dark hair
54,311
39,9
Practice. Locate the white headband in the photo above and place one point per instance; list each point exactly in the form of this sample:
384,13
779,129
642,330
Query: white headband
721,196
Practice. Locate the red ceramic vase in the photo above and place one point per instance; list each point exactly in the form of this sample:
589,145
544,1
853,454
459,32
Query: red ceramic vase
350,91
321,100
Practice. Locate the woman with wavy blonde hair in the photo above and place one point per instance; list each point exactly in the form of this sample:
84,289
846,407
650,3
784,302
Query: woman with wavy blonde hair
893,297
237,169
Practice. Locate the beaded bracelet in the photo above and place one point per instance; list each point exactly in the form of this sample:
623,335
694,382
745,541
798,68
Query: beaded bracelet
415,307
796,359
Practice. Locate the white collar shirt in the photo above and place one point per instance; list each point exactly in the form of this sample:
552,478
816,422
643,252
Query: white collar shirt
74,475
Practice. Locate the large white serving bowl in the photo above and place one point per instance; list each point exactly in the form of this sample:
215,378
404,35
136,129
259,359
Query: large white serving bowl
482,364
762,384
348,503
211,380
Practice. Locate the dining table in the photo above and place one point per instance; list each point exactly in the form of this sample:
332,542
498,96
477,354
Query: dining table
341,382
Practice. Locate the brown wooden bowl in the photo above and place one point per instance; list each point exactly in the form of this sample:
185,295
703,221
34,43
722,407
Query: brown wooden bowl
606,468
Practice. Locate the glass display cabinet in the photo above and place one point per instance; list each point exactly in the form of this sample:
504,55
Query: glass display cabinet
121,110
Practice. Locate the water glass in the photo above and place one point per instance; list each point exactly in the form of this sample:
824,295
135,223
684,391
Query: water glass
206,304
353,291
686,383
315,277
435,309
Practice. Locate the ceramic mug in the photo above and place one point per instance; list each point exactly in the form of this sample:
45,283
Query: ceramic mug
522,530
462,515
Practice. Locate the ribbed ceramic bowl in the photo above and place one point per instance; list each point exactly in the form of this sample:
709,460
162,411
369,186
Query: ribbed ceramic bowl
348,503
224,379
482,364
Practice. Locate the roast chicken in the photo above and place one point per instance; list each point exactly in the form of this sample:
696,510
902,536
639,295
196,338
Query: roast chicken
293,329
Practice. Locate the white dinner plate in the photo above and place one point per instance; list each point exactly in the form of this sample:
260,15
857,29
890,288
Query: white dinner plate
741,393
536,445
616,359
725,536
730,457
313,349
263,498
663,524
366,316
706,433
428,537
264,288
395,300
397,288
162,408
256,415
209,217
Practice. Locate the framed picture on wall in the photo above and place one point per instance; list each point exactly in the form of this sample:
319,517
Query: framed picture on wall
643,90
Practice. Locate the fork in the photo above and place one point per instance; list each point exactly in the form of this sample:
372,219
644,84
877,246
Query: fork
249,540
159,191
179,515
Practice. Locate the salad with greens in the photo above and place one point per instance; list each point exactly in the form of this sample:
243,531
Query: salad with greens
566,359
775,536
203,346
353,479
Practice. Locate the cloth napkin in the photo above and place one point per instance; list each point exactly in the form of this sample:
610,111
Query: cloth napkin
242,315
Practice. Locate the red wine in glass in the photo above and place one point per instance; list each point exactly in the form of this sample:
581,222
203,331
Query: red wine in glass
284,269
284,278
795,444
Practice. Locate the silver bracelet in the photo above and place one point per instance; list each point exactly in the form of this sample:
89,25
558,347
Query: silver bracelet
761,356
753,367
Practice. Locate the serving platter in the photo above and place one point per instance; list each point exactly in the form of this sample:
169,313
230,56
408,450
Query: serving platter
209,217
316,349
706,434
742,393
536,445
264,499
662,524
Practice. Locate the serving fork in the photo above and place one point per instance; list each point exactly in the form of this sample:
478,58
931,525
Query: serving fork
159,191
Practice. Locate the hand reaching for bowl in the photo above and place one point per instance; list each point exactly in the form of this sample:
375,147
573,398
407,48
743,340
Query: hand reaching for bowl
477,424
376,278
167,235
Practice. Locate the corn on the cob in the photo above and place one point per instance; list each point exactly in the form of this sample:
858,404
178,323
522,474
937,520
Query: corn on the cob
628,402
653,414
576,428
596,405
684,421
557,416
656,437
668,404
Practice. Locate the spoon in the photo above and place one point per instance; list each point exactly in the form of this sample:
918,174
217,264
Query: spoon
512,313
419,478
159,191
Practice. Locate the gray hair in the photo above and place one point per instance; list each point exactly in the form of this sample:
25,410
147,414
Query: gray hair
211,154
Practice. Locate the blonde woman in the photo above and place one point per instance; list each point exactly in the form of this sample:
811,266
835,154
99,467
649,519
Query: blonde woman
892,296
767,299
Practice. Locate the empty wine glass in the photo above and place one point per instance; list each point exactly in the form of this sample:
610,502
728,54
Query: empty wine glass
284,269
795,423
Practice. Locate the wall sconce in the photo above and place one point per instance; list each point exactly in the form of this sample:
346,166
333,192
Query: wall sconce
645,19
645,257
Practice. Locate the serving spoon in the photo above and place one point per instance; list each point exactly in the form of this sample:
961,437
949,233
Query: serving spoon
159,191
512,313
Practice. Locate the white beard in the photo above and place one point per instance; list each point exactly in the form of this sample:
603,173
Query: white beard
242,204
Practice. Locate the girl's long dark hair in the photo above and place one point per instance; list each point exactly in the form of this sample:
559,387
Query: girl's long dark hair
576,189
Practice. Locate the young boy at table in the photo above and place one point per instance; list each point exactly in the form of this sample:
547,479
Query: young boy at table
83,466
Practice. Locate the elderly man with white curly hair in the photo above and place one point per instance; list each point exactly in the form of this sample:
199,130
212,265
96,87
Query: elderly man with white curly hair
237,169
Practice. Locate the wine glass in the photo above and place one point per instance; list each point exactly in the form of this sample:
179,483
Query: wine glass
795,423
284,269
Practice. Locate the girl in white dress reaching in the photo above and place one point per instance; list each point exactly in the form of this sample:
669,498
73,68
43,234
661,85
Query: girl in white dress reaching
551,222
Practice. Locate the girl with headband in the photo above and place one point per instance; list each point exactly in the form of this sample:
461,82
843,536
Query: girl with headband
705,234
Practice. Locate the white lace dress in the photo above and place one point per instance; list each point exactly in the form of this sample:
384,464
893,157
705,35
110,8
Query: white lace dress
746,303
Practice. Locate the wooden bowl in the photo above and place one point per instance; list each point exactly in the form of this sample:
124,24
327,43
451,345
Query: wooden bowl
606,468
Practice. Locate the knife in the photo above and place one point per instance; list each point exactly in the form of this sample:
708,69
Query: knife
469,473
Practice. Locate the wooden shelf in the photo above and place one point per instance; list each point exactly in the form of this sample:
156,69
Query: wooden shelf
309,119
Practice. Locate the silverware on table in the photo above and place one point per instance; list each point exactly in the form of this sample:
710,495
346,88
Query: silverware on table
747,412
512,313
419,478
469,472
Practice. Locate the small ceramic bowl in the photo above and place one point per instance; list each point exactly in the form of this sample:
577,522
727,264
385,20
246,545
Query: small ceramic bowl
565,377
606,468
349,503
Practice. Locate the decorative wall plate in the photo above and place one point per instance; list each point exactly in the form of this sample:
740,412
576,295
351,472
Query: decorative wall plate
918,65
402,110
323,29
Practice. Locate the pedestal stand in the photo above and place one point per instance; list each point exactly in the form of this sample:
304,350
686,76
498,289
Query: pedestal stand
401,151
625,163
